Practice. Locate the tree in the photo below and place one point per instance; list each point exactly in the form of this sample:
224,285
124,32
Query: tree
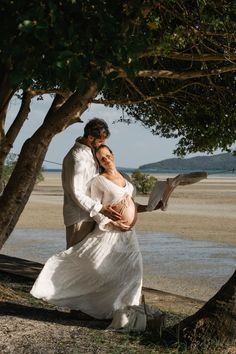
214,323
143,182
169,64
9,167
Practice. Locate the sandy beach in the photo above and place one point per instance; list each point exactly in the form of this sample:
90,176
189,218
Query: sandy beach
202,211
205,212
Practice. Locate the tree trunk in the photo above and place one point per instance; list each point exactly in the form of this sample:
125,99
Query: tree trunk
6,93
21,183
9,138
214,323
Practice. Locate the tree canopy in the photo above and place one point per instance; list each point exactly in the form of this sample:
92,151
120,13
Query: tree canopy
168,64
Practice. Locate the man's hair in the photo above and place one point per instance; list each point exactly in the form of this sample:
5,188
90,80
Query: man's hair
97,128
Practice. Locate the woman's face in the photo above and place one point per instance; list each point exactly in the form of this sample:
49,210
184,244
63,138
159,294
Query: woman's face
105,158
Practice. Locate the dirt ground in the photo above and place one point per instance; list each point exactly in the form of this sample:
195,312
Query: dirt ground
30,326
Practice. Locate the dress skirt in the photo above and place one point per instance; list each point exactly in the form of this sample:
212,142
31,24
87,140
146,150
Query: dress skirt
99,275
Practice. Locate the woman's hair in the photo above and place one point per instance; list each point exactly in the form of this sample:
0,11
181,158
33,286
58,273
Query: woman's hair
97,128
99,148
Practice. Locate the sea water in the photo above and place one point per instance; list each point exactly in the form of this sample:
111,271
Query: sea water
186,267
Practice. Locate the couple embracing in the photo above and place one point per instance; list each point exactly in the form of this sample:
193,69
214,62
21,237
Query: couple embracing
100,273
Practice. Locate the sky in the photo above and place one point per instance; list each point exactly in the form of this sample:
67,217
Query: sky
133,145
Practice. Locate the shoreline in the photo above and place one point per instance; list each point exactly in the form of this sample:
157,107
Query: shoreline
202,211
196,269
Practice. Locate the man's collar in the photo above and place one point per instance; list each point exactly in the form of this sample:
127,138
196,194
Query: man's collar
82,144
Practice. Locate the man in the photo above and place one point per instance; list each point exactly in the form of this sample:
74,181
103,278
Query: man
79,167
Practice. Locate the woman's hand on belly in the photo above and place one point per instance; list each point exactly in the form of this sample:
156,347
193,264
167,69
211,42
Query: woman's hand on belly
120,225
128,211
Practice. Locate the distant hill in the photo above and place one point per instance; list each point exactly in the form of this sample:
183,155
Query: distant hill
225,161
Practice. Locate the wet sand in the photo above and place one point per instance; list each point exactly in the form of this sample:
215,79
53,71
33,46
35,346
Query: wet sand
205,211
202,211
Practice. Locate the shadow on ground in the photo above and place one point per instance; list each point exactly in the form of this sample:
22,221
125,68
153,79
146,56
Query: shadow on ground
50,315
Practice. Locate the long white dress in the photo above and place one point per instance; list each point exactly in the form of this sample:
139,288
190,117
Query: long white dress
102,273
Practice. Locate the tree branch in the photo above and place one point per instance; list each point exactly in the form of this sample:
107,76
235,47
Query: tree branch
6,93
70,110
16,126
192,57
57,103
135,88
48,92
169,74
130,101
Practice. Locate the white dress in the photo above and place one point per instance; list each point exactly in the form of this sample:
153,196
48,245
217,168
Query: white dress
102,273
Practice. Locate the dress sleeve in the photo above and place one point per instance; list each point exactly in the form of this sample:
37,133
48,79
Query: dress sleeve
76,187
97,192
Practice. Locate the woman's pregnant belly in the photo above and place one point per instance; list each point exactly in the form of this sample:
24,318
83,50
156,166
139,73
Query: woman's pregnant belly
127,209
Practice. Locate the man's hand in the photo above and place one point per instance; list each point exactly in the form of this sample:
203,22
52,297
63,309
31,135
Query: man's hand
110,213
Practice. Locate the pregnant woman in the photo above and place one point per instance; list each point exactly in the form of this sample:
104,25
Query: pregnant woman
103,273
